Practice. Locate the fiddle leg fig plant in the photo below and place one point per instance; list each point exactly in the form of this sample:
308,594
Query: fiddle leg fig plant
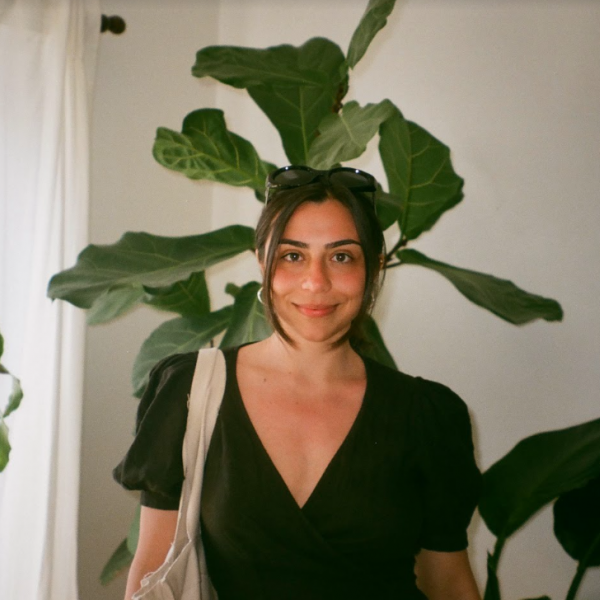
302,90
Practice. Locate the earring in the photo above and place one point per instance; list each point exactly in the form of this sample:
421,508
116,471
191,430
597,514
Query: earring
259,294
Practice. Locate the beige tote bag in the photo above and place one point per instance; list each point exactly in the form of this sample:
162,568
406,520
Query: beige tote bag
183,575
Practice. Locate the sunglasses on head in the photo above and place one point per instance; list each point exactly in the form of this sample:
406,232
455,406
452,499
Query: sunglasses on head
295,176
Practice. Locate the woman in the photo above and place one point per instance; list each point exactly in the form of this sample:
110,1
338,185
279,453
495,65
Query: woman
328,475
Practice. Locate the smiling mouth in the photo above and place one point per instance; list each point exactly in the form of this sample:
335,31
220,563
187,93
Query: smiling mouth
316,310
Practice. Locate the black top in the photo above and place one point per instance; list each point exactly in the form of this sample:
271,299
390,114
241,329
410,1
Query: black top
403,479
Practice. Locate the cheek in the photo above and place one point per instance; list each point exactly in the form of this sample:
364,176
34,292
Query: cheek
353,282
282,281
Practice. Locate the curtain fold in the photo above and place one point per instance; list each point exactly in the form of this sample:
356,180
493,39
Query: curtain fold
47,56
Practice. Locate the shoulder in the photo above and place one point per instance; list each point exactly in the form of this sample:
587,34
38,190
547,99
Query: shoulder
387,379
153,462
168,384
173,365
429,400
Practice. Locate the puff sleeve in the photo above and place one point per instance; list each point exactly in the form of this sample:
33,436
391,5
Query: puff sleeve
153,463
450,477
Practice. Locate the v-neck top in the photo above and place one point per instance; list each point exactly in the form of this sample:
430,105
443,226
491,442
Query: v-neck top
404,478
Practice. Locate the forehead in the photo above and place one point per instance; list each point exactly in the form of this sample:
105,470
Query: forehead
329,220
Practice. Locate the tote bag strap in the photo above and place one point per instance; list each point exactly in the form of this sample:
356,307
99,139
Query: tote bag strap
208,386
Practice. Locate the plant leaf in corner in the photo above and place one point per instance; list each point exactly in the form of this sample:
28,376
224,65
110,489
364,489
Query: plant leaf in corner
373,20
577,522
134,531
536,471
499,296
120,559
16,395
4,445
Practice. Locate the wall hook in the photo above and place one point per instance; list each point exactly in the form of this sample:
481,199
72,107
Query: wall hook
114,24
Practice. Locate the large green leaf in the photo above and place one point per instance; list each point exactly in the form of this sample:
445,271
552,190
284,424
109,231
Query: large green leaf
375,347
206,149
294,86
249,67
536,471
1,345
388,208
118,562
123,555
187,298
577,522
374,19
134,531
297,111
113,303
499,296
183,334
345,135
4,444
419,172
248,321
144,259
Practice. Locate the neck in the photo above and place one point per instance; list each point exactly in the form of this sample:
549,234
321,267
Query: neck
314,361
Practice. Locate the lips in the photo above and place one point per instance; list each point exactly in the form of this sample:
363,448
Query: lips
316,310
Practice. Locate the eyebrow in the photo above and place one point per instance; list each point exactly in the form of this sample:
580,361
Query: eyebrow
337,244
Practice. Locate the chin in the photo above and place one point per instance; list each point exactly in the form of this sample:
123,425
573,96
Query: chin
315,337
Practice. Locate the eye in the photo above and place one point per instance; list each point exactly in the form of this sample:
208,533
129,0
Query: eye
342,257
291,256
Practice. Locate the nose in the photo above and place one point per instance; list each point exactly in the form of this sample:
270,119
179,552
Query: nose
316,277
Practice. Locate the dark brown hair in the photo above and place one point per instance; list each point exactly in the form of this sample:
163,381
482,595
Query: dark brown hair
282,204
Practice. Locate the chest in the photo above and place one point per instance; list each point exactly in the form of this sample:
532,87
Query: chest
301,427
365,500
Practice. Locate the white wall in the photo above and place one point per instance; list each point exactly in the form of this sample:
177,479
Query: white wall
512,88
143,81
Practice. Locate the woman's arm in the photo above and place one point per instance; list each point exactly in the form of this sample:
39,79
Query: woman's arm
446,576
157,532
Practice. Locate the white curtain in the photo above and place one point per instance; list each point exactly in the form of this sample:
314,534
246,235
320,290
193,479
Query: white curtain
47,55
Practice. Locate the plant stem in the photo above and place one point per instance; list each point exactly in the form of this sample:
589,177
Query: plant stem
396,264
492,588
498,547
399,244
582,568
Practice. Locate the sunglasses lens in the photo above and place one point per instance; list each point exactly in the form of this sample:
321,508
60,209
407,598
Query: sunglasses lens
293,177
352,179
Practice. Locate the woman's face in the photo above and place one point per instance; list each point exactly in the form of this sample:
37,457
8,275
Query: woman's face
319,275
